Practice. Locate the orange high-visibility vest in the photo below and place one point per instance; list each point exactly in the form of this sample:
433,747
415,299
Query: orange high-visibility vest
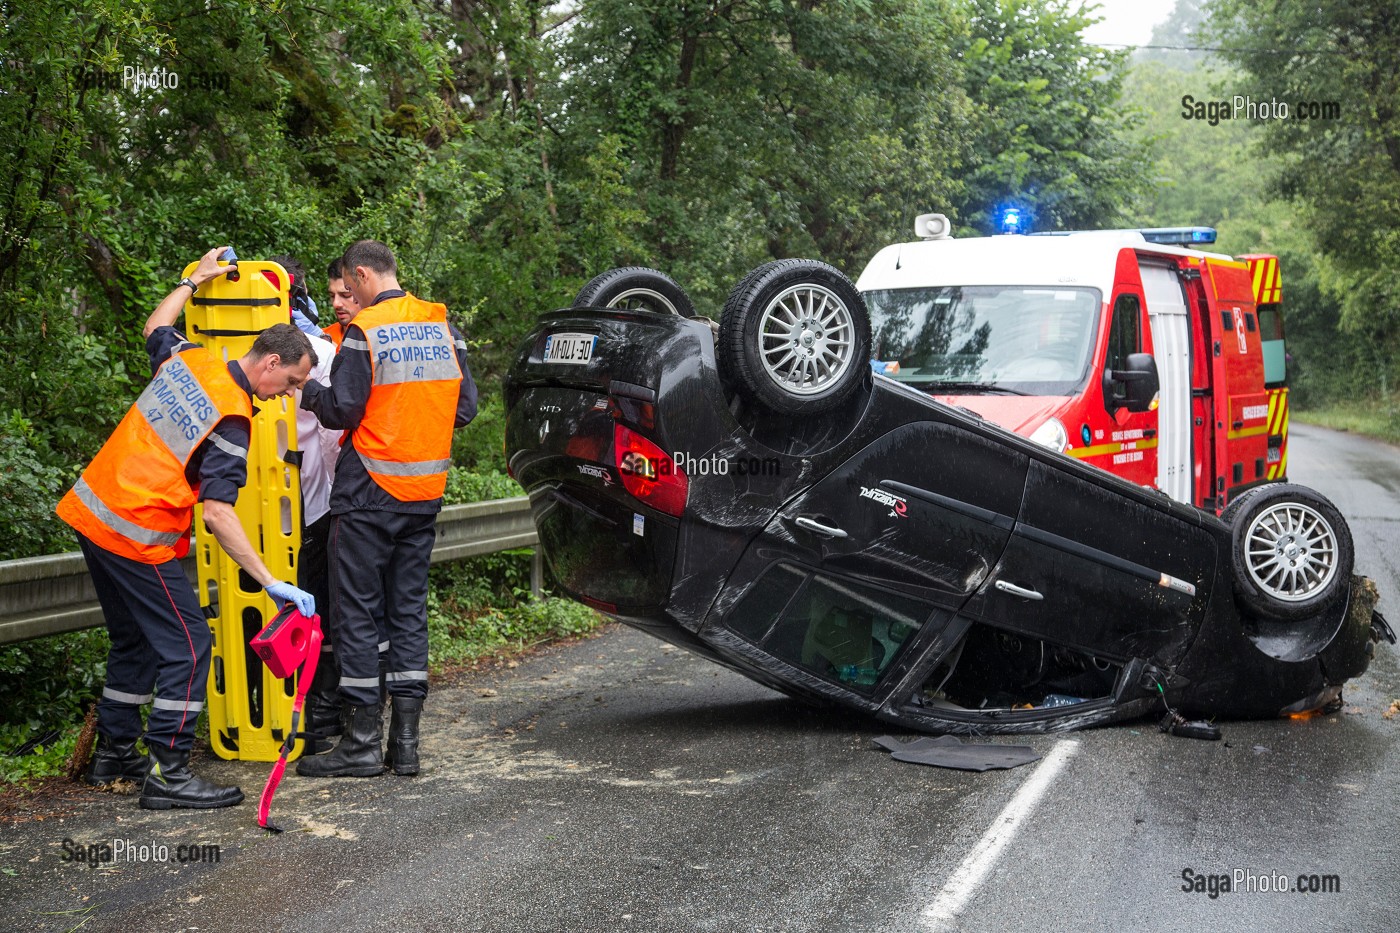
405,437
134,499
334,333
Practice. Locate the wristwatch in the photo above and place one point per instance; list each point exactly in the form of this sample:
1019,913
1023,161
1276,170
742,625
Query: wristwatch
190,282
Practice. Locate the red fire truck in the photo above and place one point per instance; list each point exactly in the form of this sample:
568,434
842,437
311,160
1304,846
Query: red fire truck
1132,350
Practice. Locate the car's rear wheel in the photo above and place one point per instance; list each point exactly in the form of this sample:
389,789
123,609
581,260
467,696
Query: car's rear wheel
635,288
795,337
1291,551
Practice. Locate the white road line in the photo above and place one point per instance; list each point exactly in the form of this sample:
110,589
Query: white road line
969,876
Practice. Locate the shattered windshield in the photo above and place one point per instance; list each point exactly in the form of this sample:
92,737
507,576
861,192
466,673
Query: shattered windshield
995,339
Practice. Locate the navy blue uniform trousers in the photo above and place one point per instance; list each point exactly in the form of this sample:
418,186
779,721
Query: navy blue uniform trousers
379,584
313,575
160,648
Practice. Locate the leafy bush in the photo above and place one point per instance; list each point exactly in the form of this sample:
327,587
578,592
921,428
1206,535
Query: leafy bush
48,684
463,487
32,486
480,447
483,604
41,762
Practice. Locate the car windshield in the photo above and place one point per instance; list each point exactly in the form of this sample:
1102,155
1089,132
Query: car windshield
986,339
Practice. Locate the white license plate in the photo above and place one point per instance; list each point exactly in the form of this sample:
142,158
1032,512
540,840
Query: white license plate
569,348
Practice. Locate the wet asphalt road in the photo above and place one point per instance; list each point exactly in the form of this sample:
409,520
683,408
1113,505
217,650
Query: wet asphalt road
620,784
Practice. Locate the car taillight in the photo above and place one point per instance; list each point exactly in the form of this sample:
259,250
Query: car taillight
648,473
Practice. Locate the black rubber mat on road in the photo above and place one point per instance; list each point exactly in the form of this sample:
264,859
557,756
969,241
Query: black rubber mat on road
946,751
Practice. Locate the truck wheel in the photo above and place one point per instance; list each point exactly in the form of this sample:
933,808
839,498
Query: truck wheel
795,337
634,288
1291,551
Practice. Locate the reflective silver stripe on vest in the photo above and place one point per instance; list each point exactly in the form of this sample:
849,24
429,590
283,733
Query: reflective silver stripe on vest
354,344
178,409
359,681
120,525
393,676
109,694
416,468
178,705
383,647
461,345
412,352
231,449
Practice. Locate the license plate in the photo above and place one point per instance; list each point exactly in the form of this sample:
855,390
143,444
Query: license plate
569,348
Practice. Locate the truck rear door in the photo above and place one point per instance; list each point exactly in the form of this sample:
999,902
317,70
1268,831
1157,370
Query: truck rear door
1171,346
1241,403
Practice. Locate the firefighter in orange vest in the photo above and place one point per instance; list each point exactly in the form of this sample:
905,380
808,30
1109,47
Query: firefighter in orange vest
343,304
399,387
185,440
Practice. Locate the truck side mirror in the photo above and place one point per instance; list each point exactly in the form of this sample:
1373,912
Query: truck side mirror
1135,386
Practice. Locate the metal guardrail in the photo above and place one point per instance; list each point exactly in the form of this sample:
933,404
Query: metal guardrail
53,594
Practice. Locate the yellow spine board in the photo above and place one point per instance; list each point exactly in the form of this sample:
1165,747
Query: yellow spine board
250,711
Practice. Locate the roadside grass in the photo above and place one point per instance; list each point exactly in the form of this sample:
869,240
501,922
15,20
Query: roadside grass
1370,417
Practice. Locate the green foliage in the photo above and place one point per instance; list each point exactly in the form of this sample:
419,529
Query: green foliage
32,486
508,152
757,129
480,446
463,486
1342,175
482,605
49,682
1202,174
1049,134
1251,179
44,761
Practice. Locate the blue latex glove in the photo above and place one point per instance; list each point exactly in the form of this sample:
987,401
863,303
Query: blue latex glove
286,593
304,323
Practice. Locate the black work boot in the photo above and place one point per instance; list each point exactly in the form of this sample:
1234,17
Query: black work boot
402,754
323,719
170,783
358,754
116,761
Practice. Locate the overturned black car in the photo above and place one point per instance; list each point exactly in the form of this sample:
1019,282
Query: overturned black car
752,492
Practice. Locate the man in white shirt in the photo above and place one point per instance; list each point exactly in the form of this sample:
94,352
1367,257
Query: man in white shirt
319,448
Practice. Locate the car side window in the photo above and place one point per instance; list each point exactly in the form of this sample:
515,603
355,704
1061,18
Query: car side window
837,629
1124,337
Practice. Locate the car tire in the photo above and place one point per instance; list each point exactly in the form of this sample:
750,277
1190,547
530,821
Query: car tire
1291,551
634,288
795,337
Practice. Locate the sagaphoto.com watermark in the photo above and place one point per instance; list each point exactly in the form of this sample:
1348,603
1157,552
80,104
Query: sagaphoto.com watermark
1257,881
135,79
113,853
1244,107
683,462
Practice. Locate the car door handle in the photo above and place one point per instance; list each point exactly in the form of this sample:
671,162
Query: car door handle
1020,591
803,521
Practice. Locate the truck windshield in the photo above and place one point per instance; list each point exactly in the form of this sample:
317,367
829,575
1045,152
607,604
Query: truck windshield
970,339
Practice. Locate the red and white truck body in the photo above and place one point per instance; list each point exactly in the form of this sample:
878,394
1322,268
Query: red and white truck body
1034,334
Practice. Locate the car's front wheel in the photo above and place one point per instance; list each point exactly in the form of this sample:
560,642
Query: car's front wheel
795,337
1291,551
